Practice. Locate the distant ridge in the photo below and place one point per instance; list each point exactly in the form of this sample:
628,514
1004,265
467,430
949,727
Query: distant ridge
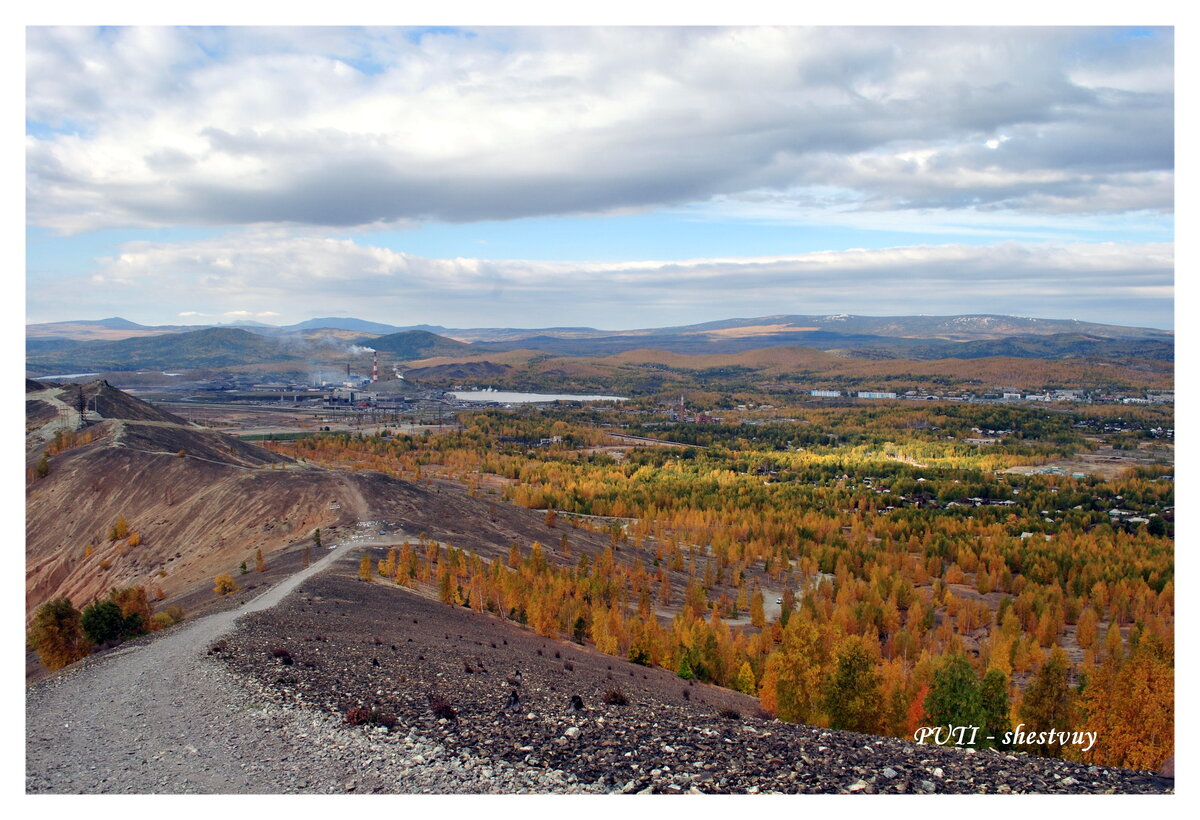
343,323
79,346
211,347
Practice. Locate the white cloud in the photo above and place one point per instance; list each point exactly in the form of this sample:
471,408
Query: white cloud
144,127
272,273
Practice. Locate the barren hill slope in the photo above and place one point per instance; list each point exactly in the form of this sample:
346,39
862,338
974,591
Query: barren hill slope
202,502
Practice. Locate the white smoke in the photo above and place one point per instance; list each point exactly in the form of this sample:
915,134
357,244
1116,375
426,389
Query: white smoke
356,350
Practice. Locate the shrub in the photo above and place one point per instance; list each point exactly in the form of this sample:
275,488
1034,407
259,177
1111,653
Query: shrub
730,714
135,608
57,636
224,584
284,656
358,716
442,708
160,620
615,697
102,622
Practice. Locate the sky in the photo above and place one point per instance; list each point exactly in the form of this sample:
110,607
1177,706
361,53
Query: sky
602,176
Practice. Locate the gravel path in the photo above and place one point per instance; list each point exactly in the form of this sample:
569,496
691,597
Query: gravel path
162,717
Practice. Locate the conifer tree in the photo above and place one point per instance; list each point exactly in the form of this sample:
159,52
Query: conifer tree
745,680
57,634
954,698
993,695
758,616
1047,703
853,699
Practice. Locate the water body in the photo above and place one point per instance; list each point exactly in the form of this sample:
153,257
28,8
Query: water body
505,397
68,376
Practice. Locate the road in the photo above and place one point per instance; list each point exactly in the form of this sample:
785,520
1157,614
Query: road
163,717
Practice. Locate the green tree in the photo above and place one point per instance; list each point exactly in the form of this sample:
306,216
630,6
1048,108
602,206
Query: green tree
43,466
317,537
954,698
1048,703
57,635
853,700
102,622
993,695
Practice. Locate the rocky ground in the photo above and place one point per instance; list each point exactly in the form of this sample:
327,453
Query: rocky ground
492,696
160,716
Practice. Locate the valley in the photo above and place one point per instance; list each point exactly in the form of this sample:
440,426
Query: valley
698,546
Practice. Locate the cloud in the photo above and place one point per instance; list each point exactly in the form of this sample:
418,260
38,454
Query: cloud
272,273
349,128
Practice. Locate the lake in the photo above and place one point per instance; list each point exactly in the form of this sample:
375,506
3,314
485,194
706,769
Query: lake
506,397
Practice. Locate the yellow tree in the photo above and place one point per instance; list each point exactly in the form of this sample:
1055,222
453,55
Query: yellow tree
757,615
1085,629
745,680
1129,704
57,634
791,684
224,584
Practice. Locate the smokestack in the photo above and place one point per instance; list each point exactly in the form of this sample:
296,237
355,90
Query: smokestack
347,370
375,368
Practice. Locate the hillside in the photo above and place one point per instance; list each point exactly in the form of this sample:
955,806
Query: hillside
649,371
201,501
408,345
212,347
912,337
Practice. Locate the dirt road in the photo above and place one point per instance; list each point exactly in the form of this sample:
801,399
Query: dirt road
163,717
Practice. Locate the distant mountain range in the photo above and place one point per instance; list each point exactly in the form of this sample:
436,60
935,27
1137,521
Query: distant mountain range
118,344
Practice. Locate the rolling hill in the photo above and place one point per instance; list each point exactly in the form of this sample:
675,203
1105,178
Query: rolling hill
409,345
209,348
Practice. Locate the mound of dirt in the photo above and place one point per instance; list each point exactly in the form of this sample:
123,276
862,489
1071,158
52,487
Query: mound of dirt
489,688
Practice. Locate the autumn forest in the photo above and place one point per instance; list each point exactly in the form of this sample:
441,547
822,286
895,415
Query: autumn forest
877,567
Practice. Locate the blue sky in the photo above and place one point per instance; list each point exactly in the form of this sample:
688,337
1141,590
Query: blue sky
604,177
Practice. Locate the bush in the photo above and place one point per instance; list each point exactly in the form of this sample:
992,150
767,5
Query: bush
224,584
57,635
135,608
160,620
358,716
442,708
102,622
615,697
730,714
